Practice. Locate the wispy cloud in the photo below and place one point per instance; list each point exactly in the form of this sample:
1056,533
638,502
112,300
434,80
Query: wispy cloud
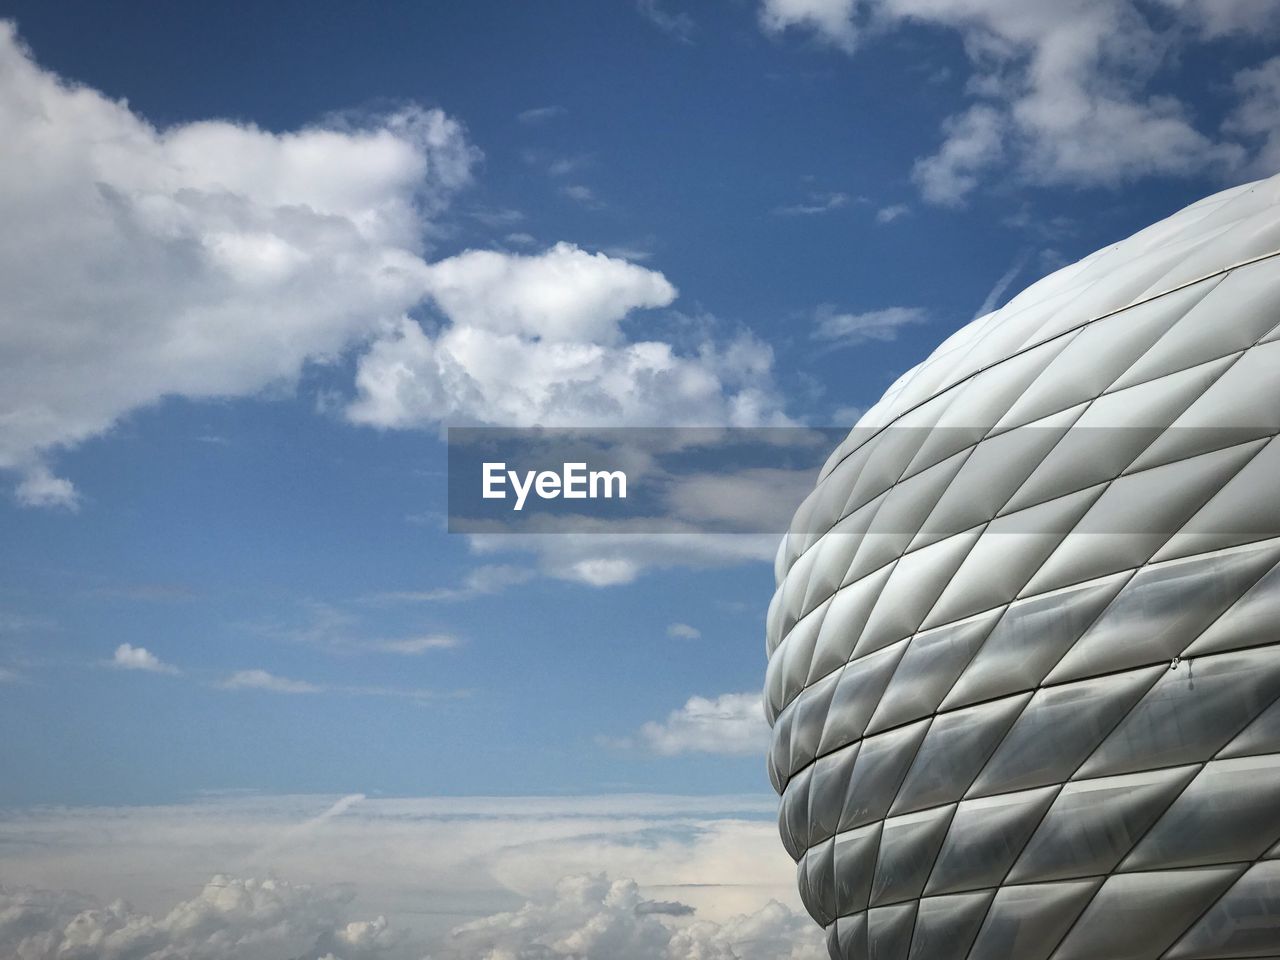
482,581
262,680
996,293
850,329
679,25
817,203
682,631
535,115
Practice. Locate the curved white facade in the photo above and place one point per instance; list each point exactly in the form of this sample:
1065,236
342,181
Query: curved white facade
1025,683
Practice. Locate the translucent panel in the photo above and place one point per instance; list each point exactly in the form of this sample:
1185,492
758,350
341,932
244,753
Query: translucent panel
1010,550
1252,620
810,710
1242,923
845,618
1093,823
796,654
827,789
1107,437
1231,811
915,584
1148,507
793,814
946,926
992,473
1163,609
1260,736
882,763
1243,404
1190,713
780,751
857,694
929,668
855,860
1102,351
1031,638
1136,916
1243,511
1059,729
955,749
908,847
851,937
1248,294
986,836
819,865
889,931
1026,922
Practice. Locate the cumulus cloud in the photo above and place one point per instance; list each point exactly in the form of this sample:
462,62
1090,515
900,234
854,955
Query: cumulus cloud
591,917
129,657
732,723
585,917
426,865
217,259
539,341
850,329
207,259
231,918
1064,93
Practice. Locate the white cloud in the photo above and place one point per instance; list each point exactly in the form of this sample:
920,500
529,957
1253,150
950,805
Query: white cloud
425,864
262,680
614,554
215,259
1257,117
40,488
892,212
682,631
849,329
832,20
231,918
1064,93
207,259
590,917
679,24
580,193
538,340
535,115
129,657
816,204
732,723
483,580
974,143
412,646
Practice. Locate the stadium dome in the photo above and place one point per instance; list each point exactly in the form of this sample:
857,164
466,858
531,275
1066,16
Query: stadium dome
1024,653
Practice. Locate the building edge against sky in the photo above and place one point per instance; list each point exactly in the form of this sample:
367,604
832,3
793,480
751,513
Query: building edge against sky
994,739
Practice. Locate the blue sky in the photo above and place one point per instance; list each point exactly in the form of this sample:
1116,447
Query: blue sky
258,256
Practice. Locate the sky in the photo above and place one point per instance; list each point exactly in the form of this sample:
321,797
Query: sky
257,258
